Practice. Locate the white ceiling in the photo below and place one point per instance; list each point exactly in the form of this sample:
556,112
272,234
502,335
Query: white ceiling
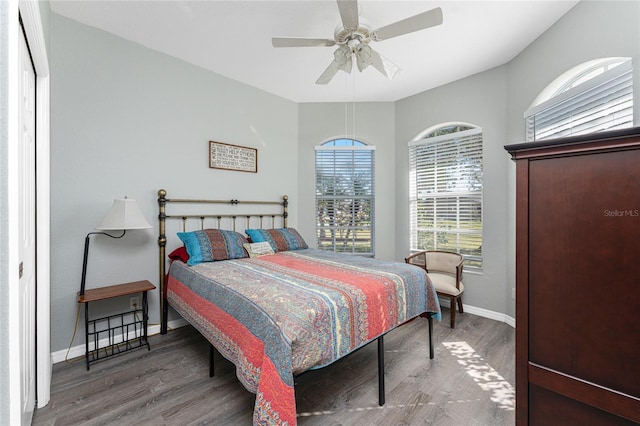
233,38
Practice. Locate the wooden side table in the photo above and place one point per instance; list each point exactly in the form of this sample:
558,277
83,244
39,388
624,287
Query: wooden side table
120,332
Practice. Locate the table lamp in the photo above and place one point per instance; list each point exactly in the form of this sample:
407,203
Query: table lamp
124,214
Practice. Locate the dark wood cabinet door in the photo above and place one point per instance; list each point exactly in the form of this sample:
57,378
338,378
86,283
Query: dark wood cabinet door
578,280
584,261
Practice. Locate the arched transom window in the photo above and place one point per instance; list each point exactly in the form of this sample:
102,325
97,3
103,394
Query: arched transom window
592,97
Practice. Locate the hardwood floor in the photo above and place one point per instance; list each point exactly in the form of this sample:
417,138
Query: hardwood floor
469,382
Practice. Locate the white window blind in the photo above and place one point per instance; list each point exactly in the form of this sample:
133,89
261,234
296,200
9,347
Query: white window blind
602,103
345,198
445,174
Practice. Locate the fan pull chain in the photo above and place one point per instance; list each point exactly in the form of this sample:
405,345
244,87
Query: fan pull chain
346,107
353,112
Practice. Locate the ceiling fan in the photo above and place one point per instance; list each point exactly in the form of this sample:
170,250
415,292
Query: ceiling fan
353,37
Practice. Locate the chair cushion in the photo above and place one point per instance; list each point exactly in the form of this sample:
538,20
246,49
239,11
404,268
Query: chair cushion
442,261
445,283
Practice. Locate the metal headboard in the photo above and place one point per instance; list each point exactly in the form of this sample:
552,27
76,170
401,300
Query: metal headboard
217,218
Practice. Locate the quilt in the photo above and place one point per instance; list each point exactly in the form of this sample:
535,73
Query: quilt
279,315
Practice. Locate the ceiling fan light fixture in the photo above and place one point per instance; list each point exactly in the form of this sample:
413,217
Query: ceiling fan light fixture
342,57
353,35
363,56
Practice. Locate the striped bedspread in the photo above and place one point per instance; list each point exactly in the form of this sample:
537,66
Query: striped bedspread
278,315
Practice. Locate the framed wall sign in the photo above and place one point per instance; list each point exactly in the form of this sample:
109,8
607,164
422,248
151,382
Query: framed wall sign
232,157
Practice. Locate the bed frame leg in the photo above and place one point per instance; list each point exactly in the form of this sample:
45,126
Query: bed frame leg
381,371
430,319
212,351
165,318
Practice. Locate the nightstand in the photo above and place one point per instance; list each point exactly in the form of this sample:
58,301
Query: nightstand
115,334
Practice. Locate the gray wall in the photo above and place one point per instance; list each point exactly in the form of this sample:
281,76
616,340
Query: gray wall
591,30
481,101
126,120
496,100
319,122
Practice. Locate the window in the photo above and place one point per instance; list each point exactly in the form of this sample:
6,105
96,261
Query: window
345,196
593,97
445,190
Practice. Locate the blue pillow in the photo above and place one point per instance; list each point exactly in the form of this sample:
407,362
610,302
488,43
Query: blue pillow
281,239
255,235
209,245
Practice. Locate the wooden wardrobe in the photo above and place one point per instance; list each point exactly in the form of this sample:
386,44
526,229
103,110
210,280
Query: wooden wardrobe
578,280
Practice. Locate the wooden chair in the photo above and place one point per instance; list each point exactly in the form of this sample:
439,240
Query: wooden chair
445,272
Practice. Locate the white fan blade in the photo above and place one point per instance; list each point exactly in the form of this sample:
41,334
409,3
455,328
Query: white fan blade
328,74
349,13
424,20
385,66
301,42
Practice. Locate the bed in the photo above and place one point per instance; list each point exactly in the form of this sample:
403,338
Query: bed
279,308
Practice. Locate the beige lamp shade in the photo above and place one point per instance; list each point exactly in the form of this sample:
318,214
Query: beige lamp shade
124,214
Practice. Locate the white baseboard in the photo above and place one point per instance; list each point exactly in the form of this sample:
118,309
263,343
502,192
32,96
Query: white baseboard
481,312
79,350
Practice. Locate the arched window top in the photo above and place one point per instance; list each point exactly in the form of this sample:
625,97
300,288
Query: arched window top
578,75
444,129
343,142
592,97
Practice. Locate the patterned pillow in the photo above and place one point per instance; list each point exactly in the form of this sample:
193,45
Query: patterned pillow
281,239
213,244
259,249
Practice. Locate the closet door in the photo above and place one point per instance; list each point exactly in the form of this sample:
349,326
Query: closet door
27,232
